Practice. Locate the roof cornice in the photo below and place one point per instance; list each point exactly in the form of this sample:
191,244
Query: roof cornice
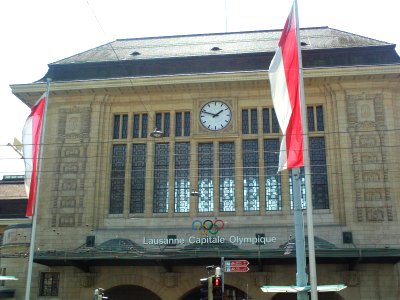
30,92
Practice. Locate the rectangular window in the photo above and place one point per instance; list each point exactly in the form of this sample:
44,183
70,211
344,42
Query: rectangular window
319,176
227,176
182,124
187,124
275,123
266,118
49,284
252,126
139,126
138,178
273,192
251,188
315,118
120,126
178,124
163,123
182,177
161,183
117,187
205,181
245,121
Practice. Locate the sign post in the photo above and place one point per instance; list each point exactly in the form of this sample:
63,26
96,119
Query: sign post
236,266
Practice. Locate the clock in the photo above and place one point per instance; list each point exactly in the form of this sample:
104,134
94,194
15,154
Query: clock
215,115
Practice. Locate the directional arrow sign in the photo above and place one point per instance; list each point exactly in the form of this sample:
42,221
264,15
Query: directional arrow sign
237,269
236,265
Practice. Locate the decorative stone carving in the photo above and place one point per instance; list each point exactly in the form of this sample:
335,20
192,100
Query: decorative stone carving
375,214
351,278
170,280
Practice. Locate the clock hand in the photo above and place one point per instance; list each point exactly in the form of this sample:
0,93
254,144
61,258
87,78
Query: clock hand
217,114
206,112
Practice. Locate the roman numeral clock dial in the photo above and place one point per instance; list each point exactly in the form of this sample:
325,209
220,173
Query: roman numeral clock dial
215,115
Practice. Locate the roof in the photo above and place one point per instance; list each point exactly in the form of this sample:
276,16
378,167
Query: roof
216,44
217,53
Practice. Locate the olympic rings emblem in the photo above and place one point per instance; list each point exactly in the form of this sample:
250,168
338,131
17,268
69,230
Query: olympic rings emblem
208,226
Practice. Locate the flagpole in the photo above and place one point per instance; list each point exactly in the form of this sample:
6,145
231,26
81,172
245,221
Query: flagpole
37,197
307,170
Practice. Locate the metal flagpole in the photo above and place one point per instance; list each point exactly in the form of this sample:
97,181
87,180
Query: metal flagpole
37,197
307,171
301,275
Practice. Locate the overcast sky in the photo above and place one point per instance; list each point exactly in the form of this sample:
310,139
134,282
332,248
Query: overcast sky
36,33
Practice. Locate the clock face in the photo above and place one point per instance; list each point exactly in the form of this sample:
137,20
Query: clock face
215,115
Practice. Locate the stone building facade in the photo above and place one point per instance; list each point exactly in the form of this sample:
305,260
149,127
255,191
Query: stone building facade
142,216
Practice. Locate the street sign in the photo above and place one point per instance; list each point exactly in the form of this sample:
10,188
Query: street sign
236,265
236,269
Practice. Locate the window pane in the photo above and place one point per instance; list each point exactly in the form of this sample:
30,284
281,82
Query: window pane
227,177
178,124
49,284
310,118
206,198
161,183
138,179
144,125
158,121
320,118
254,124
275,123
251,192
116,126
136,125
319,178
117,179
182,176
266,126
273,193
166,124
245,121
187,124
124,126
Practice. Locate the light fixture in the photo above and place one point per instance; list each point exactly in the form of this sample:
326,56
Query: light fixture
194,193
157,133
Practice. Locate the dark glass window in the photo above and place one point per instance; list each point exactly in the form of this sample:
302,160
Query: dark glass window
251,188
310,118
254,124
136,125
161,183
275,123
138,179
320,118
49,283
117,119
178,124
227,176
319,177
166,128
117,179
266,118
144,125
245,121
187,124
273,192
120,126
159,121
182,177
205,181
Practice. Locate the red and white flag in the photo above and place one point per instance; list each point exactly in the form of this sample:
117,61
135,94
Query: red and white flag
285,87
31,149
